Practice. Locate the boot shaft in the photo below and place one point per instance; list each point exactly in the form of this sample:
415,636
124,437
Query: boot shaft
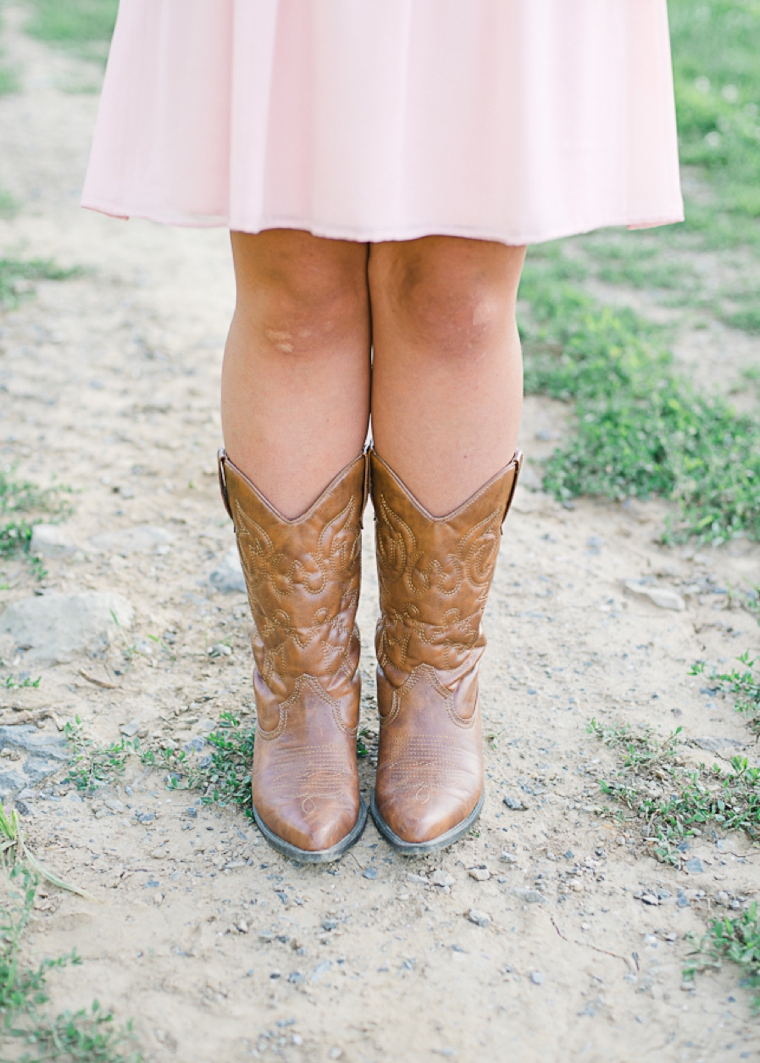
302,576
435,572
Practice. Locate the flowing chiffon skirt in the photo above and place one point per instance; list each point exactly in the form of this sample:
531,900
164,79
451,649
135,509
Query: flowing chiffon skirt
511,120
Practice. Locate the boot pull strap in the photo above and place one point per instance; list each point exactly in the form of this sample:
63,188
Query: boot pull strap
518,460
221,457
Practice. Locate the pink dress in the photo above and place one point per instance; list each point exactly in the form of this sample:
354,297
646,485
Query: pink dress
510,120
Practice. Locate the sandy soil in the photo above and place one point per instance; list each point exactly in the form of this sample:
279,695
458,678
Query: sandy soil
211,942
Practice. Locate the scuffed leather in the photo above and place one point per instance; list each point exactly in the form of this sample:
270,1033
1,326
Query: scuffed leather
303,579
434,575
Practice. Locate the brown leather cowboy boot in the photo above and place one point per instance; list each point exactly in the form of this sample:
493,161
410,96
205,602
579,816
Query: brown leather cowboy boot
303,580
434,574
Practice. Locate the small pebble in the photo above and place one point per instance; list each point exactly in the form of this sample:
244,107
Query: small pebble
370,873
479,918
480,874
442,878
515,804
537,977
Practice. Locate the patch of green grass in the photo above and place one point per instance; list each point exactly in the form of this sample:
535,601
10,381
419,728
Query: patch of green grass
223,776
736,939
86,1036
8,205
8,80
716,62
226,778
747,319
743,684
85,26
641,428
636,259
22,505
92,766
672,801
17,278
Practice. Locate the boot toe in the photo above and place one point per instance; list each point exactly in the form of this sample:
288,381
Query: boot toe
316,829
417,818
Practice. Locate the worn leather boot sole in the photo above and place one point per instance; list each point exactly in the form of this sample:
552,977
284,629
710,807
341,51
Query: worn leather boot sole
432,846
319,856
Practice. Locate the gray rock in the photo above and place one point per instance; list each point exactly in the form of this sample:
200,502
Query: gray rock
56,627
528,896
51,540
370,873
320,971
694,866
662,596
442,878
195,745
45,755
228,577
142,539
515,803
479,918
718,745
329,924
537,977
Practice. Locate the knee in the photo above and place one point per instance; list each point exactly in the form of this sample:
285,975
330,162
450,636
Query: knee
304,301
451,302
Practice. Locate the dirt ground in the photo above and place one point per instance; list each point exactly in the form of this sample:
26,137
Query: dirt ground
218,948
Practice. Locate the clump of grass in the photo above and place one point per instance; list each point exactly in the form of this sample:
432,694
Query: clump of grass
223,776
671,801
22,505
86,1036
92,766
84,26
641,428
743,684
736,939
17,277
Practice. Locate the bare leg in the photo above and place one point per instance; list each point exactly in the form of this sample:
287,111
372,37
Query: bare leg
296,376
447,374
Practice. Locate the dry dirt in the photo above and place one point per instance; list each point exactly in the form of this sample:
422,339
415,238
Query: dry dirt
210,941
